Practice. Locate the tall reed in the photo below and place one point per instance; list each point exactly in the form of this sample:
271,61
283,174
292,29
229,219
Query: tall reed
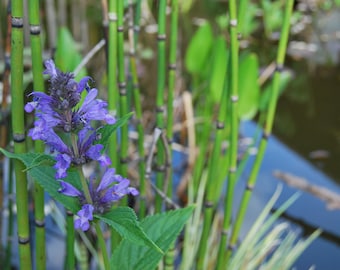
70,240
160,158
38,85
10,221
112,75
133,24
4,109
217,160
17,96
123,104
267,128
233,149
170,255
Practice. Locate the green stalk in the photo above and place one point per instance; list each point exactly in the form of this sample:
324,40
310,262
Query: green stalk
170,255
113,90
138,114
112,77
160,158
267,129
70,240
38,85
17,108
137,19
216,161
7,264
122,89
233,75
102,245
210,198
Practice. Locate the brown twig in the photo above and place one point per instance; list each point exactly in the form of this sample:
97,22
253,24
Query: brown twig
331,198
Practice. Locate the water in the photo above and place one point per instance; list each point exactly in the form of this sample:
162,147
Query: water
308,210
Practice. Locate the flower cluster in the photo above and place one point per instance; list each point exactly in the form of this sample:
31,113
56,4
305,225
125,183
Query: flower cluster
62,111
110,189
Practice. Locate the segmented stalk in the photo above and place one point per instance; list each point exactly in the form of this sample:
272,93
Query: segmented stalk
170,255
160,158
17,94
233,78
38,85
112,75
267,128
70,240
138,111
123,106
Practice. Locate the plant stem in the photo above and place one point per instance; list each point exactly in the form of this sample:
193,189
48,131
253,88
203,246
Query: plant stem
233,75
138,113
70,239
85,186
122,89
160,158
102,245
7,264
112,74
38,85
170,255
113,90
267,129
18,126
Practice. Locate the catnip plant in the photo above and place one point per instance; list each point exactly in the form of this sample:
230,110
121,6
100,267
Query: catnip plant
76,128
60,111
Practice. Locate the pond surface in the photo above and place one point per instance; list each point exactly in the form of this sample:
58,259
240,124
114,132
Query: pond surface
307,213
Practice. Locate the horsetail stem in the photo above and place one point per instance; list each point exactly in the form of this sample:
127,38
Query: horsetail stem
123,106
233,75
38,85
138,110
17,94
112,77
267,129
160,158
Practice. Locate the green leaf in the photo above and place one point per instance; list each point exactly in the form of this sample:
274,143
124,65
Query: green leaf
218,68
39,167
67,56
163,229
199,49
249,89
106,131
124,221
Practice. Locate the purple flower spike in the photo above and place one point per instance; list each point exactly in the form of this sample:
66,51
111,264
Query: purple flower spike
85,215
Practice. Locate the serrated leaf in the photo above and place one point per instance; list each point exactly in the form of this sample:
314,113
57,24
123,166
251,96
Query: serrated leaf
199,49
106,131
124,221
39,167
249,89
218,68
163,229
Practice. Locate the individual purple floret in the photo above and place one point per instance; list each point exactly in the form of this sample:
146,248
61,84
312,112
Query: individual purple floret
110,189
59,109
85,215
